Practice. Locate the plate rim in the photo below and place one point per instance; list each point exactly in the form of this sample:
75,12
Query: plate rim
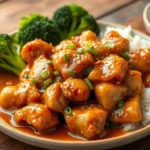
102,143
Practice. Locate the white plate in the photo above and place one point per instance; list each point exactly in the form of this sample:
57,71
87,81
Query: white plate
78,145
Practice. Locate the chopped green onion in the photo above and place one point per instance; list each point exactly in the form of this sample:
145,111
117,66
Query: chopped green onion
132,68
71,46
56,73
88,82
125,55
68,111
34,81
110,45
45,73
47,83
26,76
80,50
72,74
66,58
50,62
89,48
88,70
120,104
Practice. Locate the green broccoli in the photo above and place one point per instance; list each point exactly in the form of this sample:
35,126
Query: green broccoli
36,26
73,20
10,58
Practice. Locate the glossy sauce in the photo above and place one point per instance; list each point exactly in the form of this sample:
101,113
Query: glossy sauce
61,132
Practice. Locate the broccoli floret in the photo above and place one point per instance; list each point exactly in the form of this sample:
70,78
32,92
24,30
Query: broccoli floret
10,58
73,20
36,26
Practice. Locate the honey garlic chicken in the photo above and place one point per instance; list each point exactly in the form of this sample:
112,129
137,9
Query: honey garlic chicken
82,83
37,115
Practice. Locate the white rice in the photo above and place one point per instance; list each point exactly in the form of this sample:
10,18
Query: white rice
136,42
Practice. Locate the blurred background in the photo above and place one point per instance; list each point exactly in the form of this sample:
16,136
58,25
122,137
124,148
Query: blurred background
127,12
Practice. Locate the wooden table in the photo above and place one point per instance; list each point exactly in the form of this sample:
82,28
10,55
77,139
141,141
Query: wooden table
127,12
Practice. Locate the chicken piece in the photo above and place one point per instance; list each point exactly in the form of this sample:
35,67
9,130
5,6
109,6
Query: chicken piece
131,112
86,120
37,115
19,95
113,68
66,45
133,81
69,61
147,81
76,89
140,60
32,50
54,98
24,75
108,94
41,71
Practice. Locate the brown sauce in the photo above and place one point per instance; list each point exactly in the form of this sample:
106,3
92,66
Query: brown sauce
61,132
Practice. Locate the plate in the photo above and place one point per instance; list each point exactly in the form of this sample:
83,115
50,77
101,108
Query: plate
80,145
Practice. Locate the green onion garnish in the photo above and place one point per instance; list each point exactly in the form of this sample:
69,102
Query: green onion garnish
71,46
120,104
56,73
72,74
89,48
66,58
125,55
34,81
68,111
45,73
50,62
132,68
47,83
109,44
88,70
26,76
80,50
88,82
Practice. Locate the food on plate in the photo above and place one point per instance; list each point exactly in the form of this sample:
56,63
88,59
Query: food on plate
71,84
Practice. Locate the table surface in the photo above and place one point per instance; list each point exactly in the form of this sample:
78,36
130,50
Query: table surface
126,12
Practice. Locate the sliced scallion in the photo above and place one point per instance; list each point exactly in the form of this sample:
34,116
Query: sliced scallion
72,74
45,73
80,50
34,81
71,46
125,55
120,104
109,45
50,62
88,82
68,111
66,58
56,73
89,48
88,70
47,83
26,76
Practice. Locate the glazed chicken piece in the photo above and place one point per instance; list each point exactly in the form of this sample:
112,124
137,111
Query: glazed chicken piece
41,71
37,115
32,50
131,112
54,98
140,60
69,63
113,68
108,94
86,120
147,81
133,81
16,96
75,89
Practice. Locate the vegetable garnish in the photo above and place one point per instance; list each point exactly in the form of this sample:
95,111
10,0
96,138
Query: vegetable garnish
88,82
89,48
68,111
66,58
109,44
88,70
50,62
80,50
125,55
34,81
71,46
56,73
45,73
132,68
72,74
47,83
120,104
26,76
